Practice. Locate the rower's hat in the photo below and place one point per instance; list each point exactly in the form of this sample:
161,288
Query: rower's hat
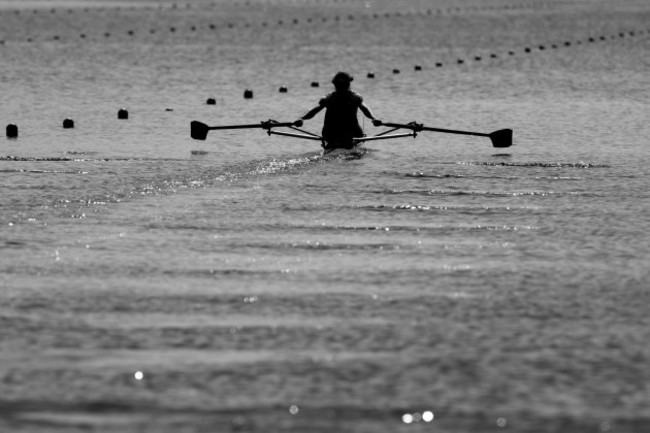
342,76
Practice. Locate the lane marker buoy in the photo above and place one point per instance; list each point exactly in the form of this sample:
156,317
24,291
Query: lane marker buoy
12,131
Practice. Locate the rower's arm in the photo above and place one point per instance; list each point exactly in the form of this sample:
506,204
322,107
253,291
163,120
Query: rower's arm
368,113
311,113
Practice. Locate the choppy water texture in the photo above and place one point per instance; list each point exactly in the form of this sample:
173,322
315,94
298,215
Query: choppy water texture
432,284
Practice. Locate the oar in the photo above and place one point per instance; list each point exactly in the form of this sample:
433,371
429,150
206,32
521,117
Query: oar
199,130
500,138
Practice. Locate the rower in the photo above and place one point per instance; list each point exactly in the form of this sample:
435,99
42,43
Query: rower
341,124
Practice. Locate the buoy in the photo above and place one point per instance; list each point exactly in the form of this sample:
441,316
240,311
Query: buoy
438,65
477,58
461,61
211,101
315,84
122,114
418,68
248,94
12,131
68,123
370,75
527,50
172,29
168,109
511,53
130,32
493,56
395,71
283,89
567,44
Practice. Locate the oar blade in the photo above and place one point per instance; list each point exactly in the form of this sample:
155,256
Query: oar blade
199,130
501,138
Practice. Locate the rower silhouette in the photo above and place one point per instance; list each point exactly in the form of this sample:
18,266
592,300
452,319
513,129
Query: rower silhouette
341,125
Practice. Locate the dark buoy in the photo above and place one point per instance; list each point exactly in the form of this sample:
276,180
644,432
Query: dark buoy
438,65
122,114
461,61
283,89
211,101
418,68
370,75
477,58
396,71
68,123
12,131
527,50
248,94
315,84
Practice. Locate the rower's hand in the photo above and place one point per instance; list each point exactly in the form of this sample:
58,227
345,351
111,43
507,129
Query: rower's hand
377,122
298,123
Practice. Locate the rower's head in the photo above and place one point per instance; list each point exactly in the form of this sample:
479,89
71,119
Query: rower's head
342,81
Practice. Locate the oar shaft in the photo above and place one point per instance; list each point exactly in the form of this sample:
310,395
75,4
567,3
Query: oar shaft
452,131
254,125
419,127
263,125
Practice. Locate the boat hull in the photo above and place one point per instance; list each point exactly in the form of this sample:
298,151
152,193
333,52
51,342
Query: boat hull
341,150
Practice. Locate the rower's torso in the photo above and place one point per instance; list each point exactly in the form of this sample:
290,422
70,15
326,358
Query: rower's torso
341,116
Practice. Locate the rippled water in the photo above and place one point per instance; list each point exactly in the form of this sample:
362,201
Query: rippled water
150,282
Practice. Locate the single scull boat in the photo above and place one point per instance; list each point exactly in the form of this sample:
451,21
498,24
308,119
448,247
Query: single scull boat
199,131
